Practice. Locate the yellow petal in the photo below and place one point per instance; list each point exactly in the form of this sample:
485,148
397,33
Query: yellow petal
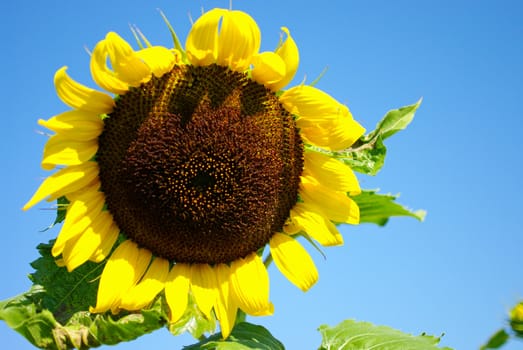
293,261
60,150
102,74
204,287
79,96
225,306
64,181
127,66
316,226
250,285
268,69
313,104
88,242
82,210
202,42
334,136
123,269
151,284
336,206
238,41
177,290
158,58
331,173
289,53
77,125
104,249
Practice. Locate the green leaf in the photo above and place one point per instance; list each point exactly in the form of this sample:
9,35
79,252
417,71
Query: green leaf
367,155
193,321
244,336
378,208
497,340
65,292
353,335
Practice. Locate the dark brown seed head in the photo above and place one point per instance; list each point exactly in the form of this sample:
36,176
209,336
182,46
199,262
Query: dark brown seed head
201,165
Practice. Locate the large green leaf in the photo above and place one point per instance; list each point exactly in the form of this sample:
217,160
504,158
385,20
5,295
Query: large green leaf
378,208
244,336
353,335
367,155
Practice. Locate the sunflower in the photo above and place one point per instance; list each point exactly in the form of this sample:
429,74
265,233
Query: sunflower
190,164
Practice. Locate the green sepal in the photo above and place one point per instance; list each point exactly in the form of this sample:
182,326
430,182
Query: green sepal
354,335
496,341
378,208
367,155
192,321
244,336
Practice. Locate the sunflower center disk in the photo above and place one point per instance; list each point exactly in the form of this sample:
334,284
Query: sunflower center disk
201,165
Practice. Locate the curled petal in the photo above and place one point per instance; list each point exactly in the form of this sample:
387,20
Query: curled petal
76,125
158,58
334,136
127,66
250,283
290,55
293,261
102,74
331,173
177,290
79,96
238,41
123,269
65,181
60,150
268,69
202,42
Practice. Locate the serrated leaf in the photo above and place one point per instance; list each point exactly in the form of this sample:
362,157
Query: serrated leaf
496,340
367,155
378,208
353,335
244,336
65,292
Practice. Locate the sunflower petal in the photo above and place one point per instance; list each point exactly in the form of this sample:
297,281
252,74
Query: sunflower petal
268,69
336,206
102,75
158,58
331,173
202,42
290,55
88,242
60,150
293,261
203,286
125,266
64,181
316,226
108,240
151,284
238,41
79,96
177,290
250,284
77,125
332,136
226,306
127,66
81,212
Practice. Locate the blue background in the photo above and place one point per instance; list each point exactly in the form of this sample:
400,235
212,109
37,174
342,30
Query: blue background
457,273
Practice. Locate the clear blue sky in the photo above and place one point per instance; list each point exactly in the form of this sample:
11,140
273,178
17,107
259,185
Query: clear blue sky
457,273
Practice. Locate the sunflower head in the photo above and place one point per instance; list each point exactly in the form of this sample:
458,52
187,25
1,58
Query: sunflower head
198,159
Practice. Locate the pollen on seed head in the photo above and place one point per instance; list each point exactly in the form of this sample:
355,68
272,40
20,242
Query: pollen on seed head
201,165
